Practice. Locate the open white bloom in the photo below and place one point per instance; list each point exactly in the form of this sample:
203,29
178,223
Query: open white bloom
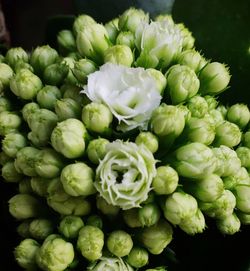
124,176
158,42
130,93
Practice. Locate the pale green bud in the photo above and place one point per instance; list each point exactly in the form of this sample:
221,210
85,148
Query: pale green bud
25,84
246,139
67,108
182,83
126,38
244,154
40,186
73,129
149,140
24,186
9,122
138,257
228,134
47,96
187,37
239,114
106,208
112,29
12,143
157,237
95,220
22,65
66,41
194,224
149,214
73,92
10,174
119,243
229,225
211,101
215,117
4,158
82,68
97,117
240,177
198,106
42,57
160,79
55,254
28,110
96,150
119,54
179,206
90,242
242,194
131,218
243,217
16,54
23,228
81,22
214,78
166,180
77,179
55,73
25,253
6,73
93,41
5,104
70,226
41,228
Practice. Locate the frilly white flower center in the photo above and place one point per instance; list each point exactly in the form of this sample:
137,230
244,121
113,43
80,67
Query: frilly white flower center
130,93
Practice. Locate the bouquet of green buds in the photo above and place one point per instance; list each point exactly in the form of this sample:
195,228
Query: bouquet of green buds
115,139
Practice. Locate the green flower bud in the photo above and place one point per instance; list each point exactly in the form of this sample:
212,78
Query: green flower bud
92,42
223,109
23,206
96,150
242,194
81,22
23,229
106,208
55,254
182,83
167,122
194,224
5,104
229,225
131,218
66,41
16,54
25,84
240,177
199,130
73,129
55,73
72,92
10,174
112,29
138,257
198,106
192,59
77,179
26,159
49,163
149,140
228,163
220,208
119,243
42,57
246,139
166,180
160,79
207,189
96,117
243,217
215,117
47,96
95,220
194,160
179,206
228,134
40,186
132,18
244,154
41,228
9,122
65,204
211,101
19,65
6,73
187,37
70,226
239,114
149,214
41,123
25,253
67,108
28,110
90,242
4,158
83,68
24,186
12,143
164,17
126,38
157,237
214,78
119,54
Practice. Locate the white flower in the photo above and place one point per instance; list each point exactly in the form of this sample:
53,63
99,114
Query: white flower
124,176
158,41
130,93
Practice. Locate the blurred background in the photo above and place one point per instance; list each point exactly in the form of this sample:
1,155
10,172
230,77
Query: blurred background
222,32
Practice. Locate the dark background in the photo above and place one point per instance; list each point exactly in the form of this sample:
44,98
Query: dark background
222,32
